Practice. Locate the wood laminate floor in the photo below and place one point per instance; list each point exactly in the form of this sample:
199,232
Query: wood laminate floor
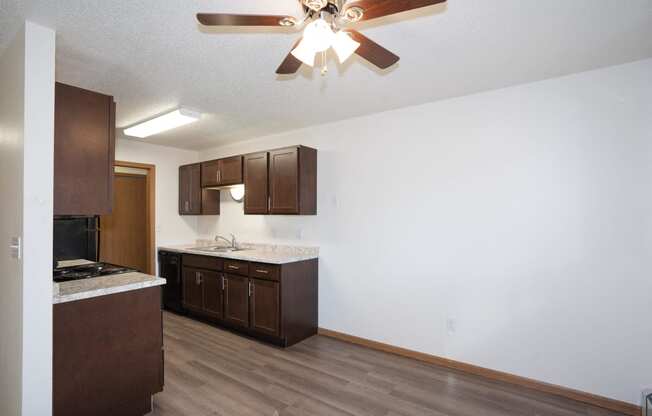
209,371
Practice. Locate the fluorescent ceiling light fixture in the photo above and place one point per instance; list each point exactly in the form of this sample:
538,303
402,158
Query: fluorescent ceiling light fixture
165,122
318,37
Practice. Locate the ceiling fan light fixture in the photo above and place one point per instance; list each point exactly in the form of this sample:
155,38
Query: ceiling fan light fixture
305,53
344,46
318,35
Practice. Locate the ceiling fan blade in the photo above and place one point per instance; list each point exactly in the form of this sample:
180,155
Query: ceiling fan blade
379,8
290,64
373,52
223,19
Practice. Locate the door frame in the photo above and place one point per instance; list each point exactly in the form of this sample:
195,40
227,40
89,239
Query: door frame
150,183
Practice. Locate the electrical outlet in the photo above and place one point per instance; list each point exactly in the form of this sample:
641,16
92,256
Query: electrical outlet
451,326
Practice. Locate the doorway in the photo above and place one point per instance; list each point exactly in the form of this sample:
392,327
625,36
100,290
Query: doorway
127,234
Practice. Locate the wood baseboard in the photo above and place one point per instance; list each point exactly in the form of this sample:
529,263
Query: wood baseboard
580,396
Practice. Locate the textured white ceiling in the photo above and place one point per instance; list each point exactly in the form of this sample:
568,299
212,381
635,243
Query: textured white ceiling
152,56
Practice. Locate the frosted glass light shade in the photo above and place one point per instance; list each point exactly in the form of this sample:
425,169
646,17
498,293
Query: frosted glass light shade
304,53
344,46
317,37
237,192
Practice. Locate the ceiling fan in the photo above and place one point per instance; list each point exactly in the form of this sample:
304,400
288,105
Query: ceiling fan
326,24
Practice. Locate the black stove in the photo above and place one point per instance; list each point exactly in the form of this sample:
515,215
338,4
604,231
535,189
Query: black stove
85,271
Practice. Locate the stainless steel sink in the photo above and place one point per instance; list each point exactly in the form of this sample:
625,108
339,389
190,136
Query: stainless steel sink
218,249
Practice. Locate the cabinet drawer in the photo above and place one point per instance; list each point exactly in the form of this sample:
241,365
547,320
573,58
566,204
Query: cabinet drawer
236,267
203,262
264,271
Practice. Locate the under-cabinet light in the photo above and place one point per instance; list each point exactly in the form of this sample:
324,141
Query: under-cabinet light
168,121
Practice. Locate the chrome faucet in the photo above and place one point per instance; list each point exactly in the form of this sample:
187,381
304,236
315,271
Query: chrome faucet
232,242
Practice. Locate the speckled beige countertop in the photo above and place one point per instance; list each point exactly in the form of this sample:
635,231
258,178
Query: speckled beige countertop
103,285
261,253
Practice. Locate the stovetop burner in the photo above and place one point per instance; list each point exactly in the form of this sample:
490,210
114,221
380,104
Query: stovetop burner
85,271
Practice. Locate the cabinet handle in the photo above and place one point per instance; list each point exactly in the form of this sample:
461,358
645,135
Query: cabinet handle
232,267
223,280
186,205
198,278
262,271
251,288
219,176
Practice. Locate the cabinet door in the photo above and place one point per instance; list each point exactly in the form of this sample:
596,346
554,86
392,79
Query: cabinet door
209,173
195,189
265,307
84,151
192,290
284,181
190,194
230,170
210,202
184,190
212,293
236,300
256,200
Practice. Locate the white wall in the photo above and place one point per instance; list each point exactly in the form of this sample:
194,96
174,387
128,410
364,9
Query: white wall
171,228
523,214
12,85
26,171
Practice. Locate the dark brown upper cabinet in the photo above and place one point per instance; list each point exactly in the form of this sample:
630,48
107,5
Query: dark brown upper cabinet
256,175
293,181
84,151
222,172
193,200
282,181
190,189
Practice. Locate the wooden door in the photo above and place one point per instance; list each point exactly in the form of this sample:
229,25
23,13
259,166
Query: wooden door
265,307
256,200
124,233
192,290
212,293
284,181
230,171
236,300
84,151
190,194
209,173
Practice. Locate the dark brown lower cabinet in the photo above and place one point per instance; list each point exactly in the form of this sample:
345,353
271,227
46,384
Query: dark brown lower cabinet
212,293
192,290
275,303
236,300
265,306
107,354
202,291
